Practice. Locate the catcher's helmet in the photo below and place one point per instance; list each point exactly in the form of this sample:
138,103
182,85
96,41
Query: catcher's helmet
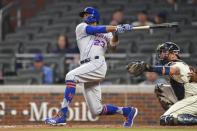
94,15
167,47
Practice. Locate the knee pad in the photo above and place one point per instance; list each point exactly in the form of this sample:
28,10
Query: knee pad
159,85
159,88
167,120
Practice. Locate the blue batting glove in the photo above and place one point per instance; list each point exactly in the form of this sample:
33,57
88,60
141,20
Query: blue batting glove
127,27
120,29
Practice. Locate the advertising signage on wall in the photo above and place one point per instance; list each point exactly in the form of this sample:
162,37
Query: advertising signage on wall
30,104
78,112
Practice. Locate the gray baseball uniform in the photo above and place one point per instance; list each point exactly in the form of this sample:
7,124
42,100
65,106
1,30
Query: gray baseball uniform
89,74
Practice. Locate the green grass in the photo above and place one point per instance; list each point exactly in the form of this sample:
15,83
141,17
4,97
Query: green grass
107,129
117,130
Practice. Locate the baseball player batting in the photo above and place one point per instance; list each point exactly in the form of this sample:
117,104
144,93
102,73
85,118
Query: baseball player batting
92,41
180,98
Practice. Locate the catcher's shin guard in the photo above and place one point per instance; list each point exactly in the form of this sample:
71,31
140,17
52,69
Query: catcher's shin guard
165,95
167,120
186,119
181,119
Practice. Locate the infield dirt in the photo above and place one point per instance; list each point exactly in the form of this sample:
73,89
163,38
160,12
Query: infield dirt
94,128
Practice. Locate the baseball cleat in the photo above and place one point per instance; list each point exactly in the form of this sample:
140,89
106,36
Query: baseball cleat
130,115
58,120
55,122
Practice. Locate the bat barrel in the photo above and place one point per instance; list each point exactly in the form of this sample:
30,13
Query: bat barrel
157,26
165,25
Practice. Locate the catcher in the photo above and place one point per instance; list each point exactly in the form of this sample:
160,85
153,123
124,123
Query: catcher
179,99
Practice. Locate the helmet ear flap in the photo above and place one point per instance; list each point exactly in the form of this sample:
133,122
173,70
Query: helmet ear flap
90,19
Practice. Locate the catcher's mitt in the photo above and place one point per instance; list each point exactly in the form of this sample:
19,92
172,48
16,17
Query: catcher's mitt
137,68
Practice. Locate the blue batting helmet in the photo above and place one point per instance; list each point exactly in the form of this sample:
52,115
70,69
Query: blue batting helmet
94,15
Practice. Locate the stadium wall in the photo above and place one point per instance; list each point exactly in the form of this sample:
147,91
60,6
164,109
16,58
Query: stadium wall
32,104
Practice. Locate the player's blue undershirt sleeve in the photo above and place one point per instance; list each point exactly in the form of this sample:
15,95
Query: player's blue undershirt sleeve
161,70
91,30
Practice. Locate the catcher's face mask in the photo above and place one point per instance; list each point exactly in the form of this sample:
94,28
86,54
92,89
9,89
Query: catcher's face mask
165,50
162,52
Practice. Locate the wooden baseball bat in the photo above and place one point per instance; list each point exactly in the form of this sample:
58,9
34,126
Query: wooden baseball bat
157,26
